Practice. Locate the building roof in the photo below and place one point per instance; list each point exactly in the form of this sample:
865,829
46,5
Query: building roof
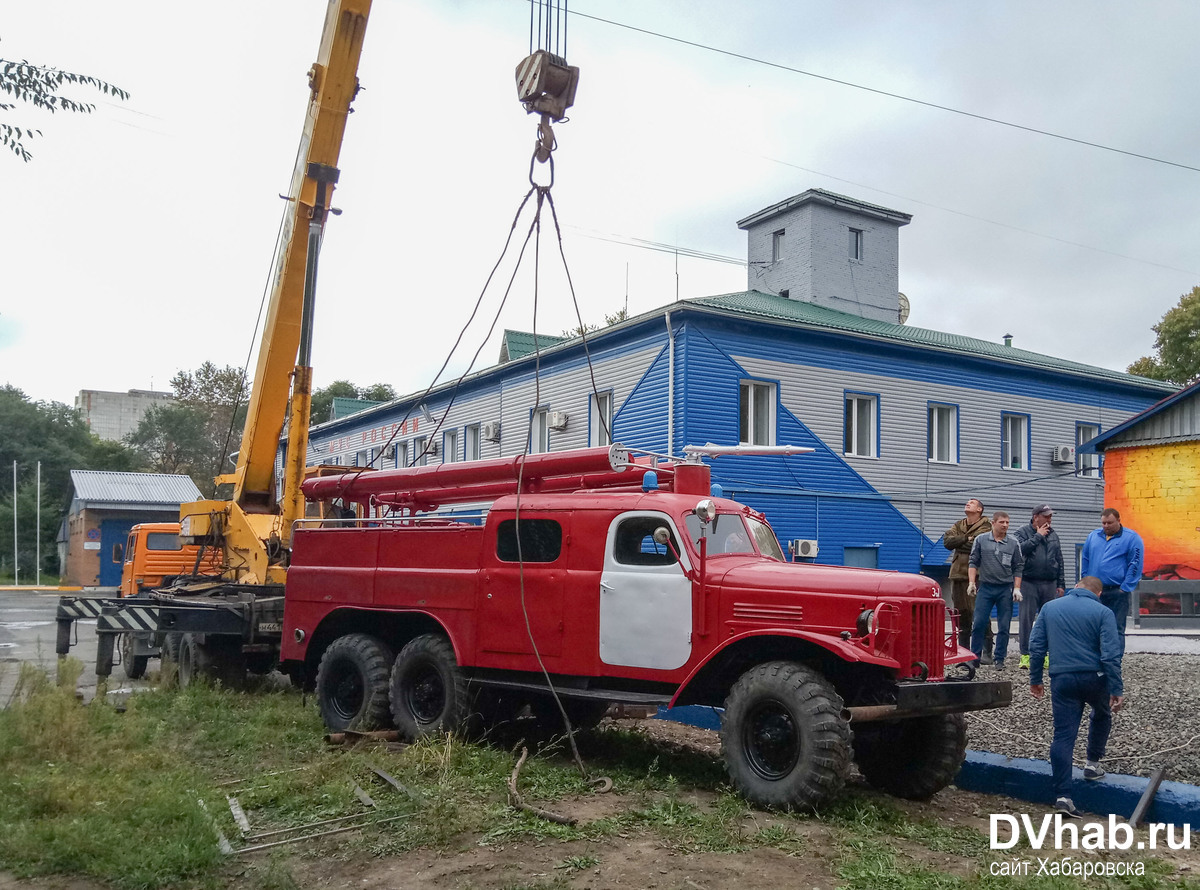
809,315
1185,424
829,199
518,344
344,407
104,487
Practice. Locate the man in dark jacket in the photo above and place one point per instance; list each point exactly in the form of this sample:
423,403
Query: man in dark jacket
1086,669
958,539
1043,577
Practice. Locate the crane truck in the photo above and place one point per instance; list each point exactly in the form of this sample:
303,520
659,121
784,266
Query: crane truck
592,577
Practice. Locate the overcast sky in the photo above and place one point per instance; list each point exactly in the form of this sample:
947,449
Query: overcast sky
138,240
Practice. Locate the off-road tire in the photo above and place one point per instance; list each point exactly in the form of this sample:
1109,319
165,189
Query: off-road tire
429,694
170,646
783,737
134,665
194,659
352,683
913,759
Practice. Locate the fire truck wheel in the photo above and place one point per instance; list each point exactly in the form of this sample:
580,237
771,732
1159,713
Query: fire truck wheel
352,683
135,665
784,739
194,660
429,692
913,759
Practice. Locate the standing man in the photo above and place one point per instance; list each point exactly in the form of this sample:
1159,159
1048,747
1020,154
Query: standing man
994,573
1113,554
958,539
1086,669
1042,579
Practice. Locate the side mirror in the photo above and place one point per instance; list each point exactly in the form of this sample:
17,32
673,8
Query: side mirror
662,535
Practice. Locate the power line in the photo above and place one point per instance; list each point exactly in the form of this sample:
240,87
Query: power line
878,92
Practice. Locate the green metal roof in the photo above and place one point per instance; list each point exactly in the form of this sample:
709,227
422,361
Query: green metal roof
518,344
795,312
344,407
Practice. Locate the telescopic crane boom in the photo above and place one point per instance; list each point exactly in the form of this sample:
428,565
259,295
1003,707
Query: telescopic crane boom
254,527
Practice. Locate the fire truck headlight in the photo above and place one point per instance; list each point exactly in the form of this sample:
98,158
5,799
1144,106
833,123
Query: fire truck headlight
705,511
299,635
866,622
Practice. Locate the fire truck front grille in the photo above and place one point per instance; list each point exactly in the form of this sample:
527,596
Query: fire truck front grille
928,635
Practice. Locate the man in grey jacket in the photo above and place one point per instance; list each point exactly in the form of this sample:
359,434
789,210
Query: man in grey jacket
1042,579
994,572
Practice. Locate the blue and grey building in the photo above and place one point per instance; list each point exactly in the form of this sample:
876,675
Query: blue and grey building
906,423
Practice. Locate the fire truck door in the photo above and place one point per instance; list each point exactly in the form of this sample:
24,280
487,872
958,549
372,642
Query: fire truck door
538,561
645,597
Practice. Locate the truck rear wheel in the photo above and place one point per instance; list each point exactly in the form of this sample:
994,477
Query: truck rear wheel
352,683
429,693
194,660
783,738
218,659
913,759
135,665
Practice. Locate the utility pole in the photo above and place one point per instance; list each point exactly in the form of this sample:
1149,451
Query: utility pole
37,566
16,568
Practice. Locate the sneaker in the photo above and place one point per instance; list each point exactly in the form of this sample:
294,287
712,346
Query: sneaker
1000,666
1094,771
1024,662
1046,663
1066,806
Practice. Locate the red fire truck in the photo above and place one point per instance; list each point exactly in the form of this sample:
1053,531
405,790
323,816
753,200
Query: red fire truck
616,581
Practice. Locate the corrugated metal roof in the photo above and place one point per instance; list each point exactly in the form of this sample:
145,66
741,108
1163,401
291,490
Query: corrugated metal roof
518,344
142,488
809,315
343,407
1173,419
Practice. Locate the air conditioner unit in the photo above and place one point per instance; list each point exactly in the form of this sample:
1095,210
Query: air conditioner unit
432,446
490,432
801,549
1062,454
558,420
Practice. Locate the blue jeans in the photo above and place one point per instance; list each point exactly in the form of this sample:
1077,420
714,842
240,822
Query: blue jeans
1117,600
1068,694
989,596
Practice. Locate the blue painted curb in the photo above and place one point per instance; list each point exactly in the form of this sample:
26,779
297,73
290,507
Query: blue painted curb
1176,803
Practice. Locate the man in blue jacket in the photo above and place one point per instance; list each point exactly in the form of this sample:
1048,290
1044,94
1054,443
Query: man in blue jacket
1086,670
1113,554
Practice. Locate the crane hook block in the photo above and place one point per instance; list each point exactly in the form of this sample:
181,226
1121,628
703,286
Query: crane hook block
546,84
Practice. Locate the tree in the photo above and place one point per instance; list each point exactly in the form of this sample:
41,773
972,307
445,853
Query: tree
40,87
609,320
196,433
322,397
1176,344
55,435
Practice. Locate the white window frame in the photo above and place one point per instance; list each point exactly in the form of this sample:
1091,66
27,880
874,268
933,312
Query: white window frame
1014,441
600,405
471,442
756,412
539,436
401,454
420,452
853,434
777,245
941,427
1087,466
450,446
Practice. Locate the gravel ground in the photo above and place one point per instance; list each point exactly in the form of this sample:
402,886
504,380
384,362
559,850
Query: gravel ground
1158,726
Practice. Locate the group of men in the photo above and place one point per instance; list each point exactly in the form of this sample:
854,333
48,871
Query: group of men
1084,628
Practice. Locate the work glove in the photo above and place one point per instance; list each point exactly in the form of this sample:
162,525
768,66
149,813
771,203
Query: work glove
1017,595
971,590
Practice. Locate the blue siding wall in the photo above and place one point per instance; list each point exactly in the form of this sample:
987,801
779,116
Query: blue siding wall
816,495
641,420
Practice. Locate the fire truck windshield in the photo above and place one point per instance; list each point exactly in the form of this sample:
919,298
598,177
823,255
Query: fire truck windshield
727,533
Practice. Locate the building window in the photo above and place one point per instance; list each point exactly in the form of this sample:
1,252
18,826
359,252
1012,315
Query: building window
600,419
450,446
539,439
942,435
360,459
401,454
756,410
859,431
777,246
856,244
471,442
420,452
1014,441
1086,464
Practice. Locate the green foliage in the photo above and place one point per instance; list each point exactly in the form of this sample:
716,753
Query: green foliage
609,320
40,87
322,397
1176,344
195,433
55,435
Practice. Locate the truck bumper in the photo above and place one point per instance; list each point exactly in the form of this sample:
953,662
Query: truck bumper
945,697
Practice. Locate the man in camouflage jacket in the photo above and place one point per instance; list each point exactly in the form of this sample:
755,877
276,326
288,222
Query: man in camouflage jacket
959,538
